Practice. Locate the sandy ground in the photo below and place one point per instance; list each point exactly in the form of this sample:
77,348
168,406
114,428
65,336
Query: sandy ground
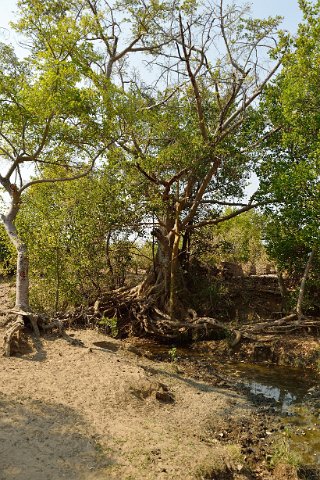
86,413
75,413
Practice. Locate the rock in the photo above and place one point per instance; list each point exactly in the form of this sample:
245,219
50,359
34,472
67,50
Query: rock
310,472
314,392
231,270
146,388
163,394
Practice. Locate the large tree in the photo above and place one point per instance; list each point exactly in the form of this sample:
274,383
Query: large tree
51,118
191,143
183,129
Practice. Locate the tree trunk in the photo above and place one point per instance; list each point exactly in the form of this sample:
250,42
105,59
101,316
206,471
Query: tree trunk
57,292
164,284
22,281
22,277
174,283
303,284
174,265
109,263
283,291
156,285
282,286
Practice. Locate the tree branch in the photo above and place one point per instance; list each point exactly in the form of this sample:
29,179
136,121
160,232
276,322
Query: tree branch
224,127
225,218
192,77
65,179
201,191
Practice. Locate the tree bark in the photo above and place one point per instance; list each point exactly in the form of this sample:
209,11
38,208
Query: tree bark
282,286
173,276
157,283
303,284
283,291
109,263
57,292
22,277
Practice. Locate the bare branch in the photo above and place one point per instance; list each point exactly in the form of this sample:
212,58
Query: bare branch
215,221
65,179
192,77
224,204
165,100
223,32
265,137
224,128
201,190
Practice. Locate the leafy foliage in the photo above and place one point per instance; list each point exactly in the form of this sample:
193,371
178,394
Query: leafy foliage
65,227
240,240
7,254
290,170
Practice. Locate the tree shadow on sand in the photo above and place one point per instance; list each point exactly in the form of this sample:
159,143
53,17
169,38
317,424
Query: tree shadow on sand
40,440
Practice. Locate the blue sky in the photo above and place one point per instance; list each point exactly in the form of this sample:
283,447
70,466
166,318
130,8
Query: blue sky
289,9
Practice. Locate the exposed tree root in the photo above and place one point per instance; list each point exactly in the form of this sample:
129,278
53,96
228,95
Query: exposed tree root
13,339
139,315
13,332
288,324
12,335
136,313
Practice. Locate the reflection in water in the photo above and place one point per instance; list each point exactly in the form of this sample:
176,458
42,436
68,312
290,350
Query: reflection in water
286,385
283,397
289,388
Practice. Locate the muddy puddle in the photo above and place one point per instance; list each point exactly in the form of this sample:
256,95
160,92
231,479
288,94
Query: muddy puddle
296,397
293,393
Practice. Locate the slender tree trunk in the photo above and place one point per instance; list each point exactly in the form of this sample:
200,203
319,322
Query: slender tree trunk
283,290
56,300
303,284
109,263
22,277
184,253
282,286
22,281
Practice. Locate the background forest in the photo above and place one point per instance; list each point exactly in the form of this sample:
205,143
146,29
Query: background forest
128,136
